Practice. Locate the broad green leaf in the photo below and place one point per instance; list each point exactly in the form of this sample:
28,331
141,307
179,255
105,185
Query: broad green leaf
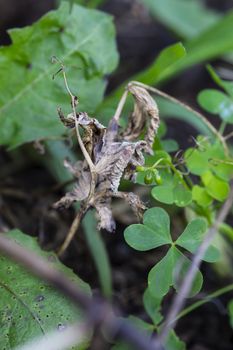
162,65
210,43
185,18
154,232
230,311
170,271
200,195
217,102
30,307
84,40
215,187
193,236
152,306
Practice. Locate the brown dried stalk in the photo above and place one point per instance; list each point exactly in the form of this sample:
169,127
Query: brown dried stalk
109,157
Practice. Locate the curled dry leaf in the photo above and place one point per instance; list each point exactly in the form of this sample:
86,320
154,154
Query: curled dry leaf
114,156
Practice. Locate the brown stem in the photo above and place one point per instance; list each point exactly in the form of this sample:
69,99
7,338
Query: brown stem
73,229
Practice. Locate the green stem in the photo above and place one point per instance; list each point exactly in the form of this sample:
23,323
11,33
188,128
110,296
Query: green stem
222,127
199,303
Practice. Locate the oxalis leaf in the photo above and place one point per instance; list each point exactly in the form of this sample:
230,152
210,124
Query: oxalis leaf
84,40
30,307
155,232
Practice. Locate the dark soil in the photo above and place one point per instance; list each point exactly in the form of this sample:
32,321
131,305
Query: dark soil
27,189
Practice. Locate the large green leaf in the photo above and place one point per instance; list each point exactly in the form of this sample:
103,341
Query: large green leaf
84,40
30,307
186,18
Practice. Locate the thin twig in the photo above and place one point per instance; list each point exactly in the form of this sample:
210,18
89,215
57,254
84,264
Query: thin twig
98,312
186,285
73,229
188,108
120,106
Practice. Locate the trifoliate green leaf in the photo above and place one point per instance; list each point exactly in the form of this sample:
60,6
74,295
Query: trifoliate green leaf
30,307
193,236
154,232
84,40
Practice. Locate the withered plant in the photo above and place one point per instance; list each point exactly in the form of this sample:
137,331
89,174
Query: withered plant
110,154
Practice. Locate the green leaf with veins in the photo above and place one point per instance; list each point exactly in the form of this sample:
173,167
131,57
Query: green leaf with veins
84,40
30,307
154,232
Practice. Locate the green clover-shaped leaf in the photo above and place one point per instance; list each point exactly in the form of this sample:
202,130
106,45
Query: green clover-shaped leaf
155,232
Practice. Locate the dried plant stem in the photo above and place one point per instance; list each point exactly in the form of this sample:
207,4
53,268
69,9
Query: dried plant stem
98,312
73,229
73,103
188,108
120,106
191,273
